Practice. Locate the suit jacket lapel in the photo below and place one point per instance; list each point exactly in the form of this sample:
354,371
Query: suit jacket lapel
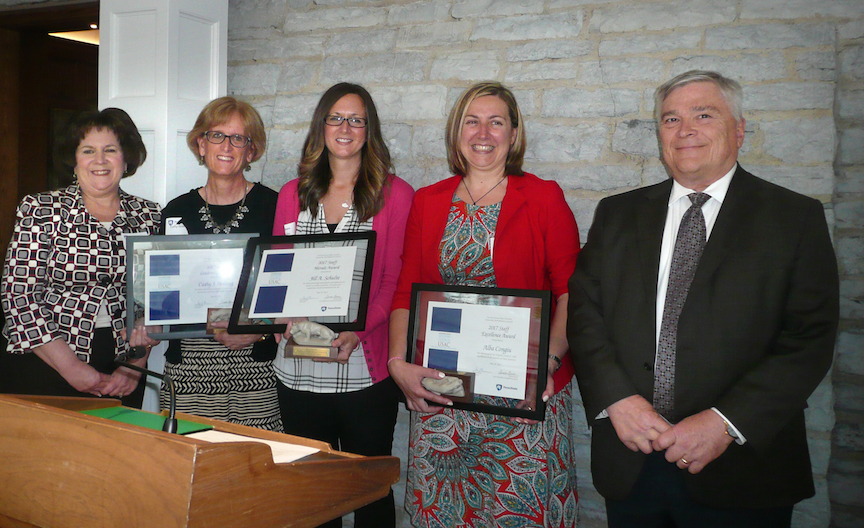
650,220
729,220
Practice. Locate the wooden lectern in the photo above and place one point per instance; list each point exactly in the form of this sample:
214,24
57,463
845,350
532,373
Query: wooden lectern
61,468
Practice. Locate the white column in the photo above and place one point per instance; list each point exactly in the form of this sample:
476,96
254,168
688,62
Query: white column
162,61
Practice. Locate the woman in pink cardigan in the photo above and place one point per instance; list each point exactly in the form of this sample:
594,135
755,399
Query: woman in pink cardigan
345,186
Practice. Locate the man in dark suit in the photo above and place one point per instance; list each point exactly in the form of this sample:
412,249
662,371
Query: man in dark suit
695,383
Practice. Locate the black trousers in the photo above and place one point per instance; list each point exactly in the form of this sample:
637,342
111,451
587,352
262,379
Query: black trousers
360,422
28,374
660,500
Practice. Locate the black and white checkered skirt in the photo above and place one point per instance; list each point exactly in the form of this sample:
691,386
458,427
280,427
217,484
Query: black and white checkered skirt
216,382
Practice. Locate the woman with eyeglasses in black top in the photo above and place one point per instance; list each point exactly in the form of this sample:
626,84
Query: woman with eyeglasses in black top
229,376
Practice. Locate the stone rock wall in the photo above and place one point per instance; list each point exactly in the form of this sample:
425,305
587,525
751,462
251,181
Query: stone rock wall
584,72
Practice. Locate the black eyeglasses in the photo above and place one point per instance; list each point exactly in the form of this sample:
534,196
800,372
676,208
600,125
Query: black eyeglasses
353,122
217,138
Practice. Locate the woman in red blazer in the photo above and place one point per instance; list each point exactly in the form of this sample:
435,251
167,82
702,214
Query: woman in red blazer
490,225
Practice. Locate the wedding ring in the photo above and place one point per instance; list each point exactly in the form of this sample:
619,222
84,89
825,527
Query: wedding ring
684,461
120,395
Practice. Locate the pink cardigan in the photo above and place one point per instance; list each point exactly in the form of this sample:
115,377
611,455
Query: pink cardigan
389,225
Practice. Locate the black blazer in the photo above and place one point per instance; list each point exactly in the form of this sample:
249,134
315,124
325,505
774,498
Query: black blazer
755,337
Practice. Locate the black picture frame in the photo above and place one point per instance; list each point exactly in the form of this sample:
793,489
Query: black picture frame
355,320
536,365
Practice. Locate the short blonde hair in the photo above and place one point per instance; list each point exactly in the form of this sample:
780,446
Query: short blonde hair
220,111
458,163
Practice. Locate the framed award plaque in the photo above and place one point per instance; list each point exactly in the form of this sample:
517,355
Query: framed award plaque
174,281
320,278
491,343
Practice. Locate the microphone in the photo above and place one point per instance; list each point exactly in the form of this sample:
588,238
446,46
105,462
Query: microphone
170,425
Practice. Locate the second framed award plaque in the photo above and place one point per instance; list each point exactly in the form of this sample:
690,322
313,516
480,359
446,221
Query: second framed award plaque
491,343
320,278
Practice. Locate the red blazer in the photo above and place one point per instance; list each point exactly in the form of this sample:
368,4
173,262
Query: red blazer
536,241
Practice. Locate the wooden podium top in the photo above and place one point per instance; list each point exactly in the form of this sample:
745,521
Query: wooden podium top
62,468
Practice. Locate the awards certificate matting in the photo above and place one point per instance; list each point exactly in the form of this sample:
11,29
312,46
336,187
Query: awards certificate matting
491,343
322,278
173,281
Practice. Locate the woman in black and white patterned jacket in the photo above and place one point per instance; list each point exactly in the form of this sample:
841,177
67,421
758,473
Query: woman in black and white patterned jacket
64,279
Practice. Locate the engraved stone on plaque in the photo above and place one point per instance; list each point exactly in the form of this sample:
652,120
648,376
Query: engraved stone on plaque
311,340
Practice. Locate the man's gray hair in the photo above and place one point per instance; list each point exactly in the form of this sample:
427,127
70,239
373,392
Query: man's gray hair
730,90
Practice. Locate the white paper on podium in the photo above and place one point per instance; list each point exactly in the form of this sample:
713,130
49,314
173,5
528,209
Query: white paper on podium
282,452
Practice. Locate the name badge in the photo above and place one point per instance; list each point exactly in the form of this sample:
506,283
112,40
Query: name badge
174,226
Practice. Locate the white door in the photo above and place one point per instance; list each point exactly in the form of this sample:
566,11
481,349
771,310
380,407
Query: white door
162,61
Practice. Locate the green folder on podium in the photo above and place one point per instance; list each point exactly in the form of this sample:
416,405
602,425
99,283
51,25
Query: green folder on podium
145,419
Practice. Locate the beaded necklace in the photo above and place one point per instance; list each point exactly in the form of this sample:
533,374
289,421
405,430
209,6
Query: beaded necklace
233,222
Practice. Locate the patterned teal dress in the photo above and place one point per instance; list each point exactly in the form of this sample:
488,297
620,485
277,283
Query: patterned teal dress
472,469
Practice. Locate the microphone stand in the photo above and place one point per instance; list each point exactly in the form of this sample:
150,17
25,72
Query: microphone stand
170,425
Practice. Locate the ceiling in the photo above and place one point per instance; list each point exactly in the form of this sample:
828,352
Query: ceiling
51,17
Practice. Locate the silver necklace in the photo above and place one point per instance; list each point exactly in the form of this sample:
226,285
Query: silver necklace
233,222
484,194
347,203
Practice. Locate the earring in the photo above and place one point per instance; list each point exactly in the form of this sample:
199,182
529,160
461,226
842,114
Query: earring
248,168
201,160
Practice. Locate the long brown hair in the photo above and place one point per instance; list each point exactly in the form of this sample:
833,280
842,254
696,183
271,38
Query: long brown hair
375,164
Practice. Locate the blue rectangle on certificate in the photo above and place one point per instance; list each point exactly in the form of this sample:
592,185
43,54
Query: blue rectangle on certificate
446,320
271,299
443,359
164,305
279,262
164,265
